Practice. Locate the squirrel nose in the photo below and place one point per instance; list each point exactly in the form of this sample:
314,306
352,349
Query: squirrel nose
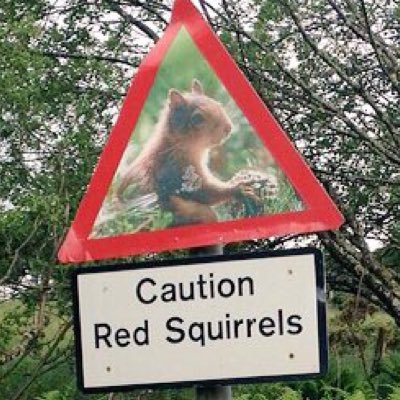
228,128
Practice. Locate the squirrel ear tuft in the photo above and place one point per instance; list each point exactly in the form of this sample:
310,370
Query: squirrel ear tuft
197,87
175,97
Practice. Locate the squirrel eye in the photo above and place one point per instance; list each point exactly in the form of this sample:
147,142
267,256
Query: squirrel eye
196,119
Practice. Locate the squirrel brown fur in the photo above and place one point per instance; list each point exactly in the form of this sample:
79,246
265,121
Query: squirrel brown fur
174,161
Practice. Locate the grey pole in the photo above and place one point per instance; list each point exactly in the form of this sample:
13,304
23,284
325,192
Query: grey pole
211,392
214,250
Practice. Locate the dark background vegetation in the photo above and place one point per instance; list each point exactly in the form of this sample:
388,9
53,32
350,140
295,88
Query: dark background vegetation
330,72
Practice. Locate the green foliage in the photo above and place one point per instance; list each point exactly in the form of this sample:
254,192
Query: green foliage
358,395
395,394
53,395
64,70
271,391
388,374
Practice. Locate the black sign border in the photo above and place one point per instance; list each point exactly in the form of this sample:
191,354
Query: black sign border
321,310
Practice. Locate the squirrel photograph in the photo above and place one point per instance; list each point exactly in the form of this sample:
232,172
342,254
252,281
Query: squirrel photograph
174,162
193,157
168,175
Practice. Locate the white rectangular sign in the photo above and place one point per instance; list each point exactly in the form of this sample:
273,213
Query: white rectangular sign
221,319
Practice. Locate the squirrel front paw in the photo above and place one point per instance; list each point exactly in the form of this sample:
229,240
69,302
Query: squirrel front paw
248,192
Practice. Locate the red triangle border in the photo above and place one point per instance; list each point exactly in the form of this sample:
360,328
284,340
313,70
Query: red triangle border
320,212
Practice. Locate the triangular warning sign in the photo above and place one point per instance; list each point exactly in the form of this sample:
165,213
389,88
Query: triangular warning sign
194,159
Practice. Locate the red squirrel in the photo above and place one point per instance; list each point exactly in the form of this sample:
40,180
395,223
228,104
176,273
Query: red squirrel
174,161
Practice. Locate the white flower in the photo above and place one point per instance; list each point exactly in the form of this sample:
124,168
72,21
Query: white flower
191,181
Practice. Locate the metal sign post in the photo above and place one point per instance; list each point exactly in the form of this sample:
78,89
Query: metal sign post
213,392
221,319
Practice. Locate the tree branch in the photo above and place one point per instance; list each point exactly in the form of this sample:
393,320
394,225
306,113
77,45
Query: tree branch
139,24
37,370
59,54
